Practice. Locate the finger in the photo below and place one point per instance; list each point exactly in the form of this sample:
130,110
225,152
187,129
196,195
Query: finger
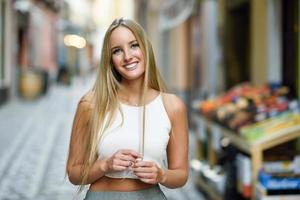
150,181
144,164
127,158
119,168
122,163
143,170
145,175
130,152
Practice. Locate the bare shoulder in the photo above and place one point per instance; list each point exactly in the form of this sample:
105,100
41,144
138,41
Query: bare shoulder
85,102
87,97
174,105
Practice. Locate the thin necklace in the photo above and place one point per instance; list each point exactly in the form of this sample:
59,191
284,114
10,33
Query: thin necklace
128,102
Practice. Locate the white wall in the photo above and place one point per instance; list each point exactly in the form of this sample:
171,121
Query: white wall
274,60
210,47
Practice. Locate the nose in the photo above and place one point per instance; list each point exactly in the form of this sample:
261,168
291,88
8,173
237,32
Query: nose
127,55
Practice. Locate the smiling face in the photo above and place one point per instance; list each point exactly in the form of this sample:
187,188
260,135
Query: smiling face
127,56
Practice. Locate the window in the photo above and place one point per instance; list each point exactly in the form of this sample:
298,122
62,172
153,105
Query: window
237,42
290,19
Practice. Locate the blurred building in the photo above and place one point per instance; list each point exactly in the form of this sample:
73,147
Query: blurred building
204,47
168,24
28,42
6,49
44,41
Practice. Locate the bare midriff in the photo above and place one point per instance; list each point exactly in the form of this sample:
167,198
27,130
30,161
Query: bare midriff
119,184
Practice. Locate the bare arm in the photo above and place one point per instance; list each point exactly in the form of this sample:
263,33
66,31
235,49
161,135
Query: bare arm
77,147
177,173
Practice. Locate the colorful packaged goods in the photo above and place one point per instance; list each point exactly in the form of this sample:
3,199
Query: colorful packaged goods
253,111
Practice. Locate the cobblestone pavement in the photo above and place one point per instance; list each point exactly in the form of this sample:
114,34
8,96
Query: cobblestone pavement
34,138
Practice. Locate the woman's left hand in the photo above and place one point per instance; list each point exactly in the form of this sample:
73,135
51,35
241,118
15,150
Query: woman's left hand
148,172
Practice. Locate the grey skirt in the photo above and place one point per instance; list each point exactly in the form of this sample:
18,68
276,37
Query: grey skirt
153,193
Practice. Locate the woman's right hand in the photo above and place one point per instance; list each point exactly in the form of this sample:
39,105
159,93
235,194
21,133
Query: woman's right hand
121,160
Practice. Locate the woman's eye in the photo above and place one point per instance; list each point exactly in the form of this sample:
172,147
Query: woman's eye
134,45
116,51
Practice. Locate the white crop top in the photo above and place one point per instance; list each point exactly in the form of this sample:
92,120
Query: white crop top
128,135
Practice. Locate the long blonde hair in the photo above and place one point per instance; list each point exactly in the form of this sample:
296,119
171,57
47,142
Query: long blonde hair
105,91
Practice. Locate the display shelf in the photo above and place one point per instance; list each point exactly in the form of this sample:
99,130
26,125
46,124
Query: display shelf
211,192
237,140
253,149
278,137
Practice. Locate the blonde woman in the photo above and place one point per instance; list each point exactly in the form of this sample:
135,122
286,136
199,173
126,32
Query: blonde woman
128,134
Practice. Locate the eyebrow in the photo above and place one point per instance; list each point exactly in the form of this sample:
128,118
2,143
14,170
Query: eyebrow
128,43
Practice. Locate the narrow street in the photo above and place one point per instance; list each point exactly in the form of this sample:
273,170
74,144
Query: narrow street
34,144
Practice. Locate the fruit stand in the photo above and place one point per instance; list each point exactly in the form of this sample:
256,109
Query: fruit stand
267,121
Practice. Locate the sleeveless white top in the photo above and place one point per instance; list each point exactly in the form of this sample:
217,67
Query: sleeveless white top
127,135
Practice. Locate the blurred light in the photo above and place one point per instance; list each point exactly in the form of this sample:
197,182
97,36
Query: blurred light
196,165
225,142
22,5
75,41
111,10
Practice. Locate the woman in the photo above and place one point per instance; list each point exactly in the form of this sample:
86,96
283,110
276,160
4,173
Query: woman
125,139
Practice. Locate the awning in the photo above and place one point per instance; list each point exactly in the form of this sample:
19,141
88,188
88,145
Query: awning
174,12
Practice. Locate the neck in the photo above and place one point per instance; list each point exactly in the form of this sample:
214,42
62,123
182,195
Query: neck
132,88
131,91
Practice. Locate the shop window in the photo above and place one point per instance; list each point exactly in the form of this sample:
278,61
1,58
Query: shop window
237,42
290,43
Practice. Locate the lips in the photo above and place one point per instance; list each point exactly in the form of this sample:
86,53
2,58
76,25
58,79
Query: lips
131,66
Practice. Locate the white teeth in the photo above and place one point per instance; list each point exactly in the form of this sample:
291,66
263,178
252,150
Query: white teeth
130,65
